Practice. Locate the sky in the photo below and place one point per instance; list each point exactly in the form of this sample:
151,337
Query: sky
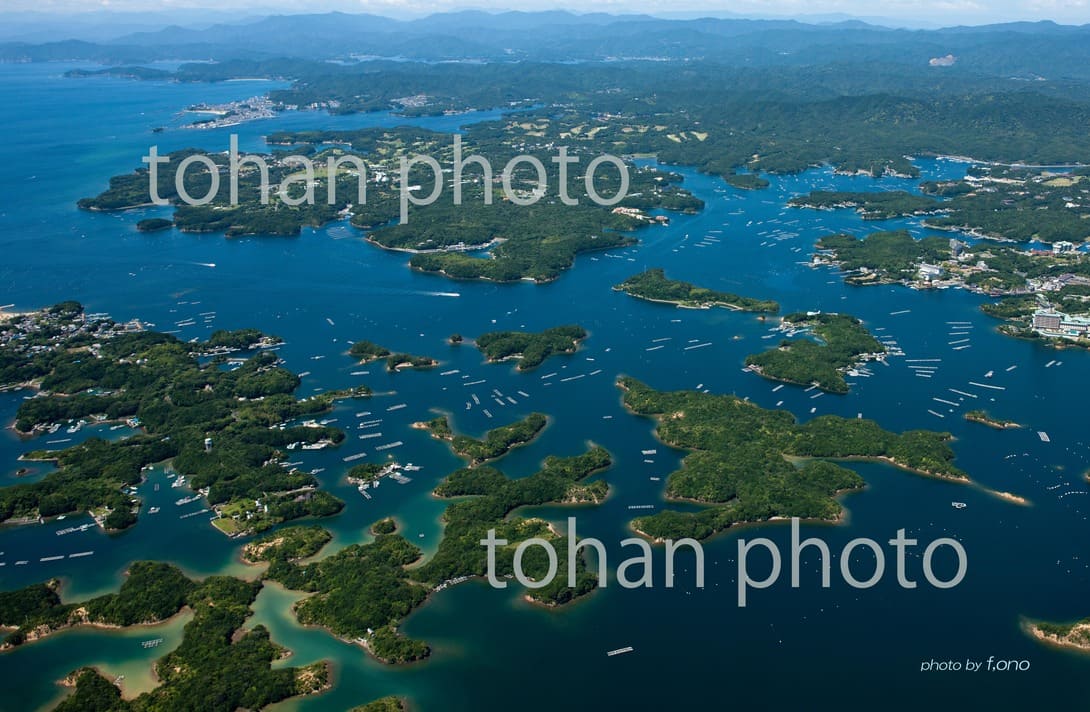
925,12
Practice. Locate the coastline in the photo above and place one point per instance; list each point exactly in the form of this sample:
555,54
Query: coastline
1065,642
44,632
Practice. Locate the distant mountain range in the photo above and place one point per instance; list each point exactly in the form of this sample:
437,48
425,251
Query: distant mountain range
1024,50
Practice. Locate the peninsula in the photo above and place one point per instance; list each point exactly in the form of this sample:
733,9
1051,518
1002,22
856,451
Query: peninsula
496,442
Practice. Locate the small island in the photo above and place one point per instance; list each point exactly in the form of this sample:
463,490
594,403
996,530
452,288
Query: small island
653,286
530,349
844,343
154,225
876,205
383,704
748,464
496,442
746,181
982,417
367,352
1066,635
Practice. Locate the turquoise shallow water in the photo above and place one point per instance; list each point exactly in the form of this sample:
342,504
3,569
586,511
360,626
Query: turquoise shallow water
811,647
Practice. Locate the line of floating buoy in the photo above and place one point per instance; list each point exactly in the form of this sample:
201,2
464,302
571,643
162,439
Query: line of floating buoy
985,385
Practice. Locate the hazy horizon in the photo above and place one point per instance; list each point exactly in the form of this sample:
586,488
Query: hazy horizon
921,13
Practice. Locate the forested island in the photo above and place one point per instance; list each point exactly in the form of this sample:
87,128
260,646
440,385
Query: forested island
844,343
982,417
496,442
367,352
878,205
749,464
220,664
1066,635
653,285
530,349
383,704
225,431
154,225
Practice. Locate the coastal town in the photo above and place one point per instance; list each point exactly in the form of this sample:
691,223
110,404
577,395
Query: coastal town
232,113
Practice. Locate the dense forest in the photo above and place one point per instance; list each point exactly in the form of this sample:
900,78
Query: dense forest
159,384
367,352
883,257
654,285
220,665
530,349
496,442
844,342
748,464
879,205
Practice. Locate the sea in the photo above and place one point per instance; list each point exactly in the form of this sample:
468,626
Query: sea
809,647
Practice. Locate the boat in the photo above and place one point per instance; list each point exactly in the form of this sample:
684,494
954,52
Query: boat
958,505
620,651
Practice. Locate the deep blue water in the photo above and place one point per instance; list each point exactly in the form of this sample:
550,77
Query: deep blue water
815,648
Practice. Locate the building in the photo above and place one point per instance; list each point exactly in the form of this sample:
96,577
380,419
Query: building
1047,320
929,271
1061,326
